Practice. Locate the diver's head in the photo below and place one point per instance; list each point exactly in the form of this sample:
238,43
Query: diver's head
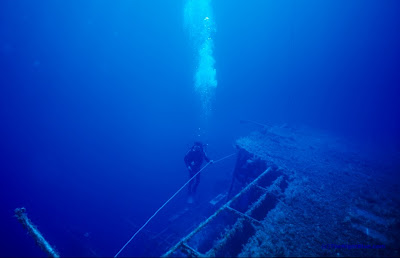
198,145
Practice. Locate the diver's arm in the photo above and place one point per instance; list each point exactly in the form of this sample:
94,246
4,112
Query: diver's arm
207,158
186,159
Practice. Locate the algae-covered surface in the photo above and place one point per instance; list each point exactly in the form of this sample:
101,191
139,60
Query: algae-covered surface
337,202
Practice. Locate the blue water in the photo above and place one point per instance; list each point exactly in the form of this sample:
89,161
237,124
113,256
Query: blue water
98,100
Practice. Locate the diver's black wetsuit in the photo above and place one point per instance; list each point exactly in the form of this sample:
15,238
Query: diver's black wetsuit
193,160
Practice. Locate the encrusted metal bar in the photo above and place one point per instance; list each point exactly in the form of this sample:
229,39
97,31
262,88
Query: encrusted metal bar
257,203
204,223
261,188
254,183
244,215
22,217
193,253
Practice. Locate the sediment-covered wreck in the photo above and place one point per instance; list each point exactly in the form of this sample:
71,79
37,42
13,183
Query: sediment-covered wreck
299,193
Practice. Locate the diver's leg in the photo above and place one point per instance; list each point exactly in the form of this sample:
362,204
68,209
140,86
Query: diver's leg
190,184
196,183
191,188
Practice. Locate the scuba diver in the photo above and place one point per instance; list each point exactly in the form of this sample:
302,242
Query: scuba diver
193,160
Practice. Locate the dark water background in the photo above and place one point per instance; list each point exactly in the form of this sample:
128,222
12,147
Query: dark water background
97,106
